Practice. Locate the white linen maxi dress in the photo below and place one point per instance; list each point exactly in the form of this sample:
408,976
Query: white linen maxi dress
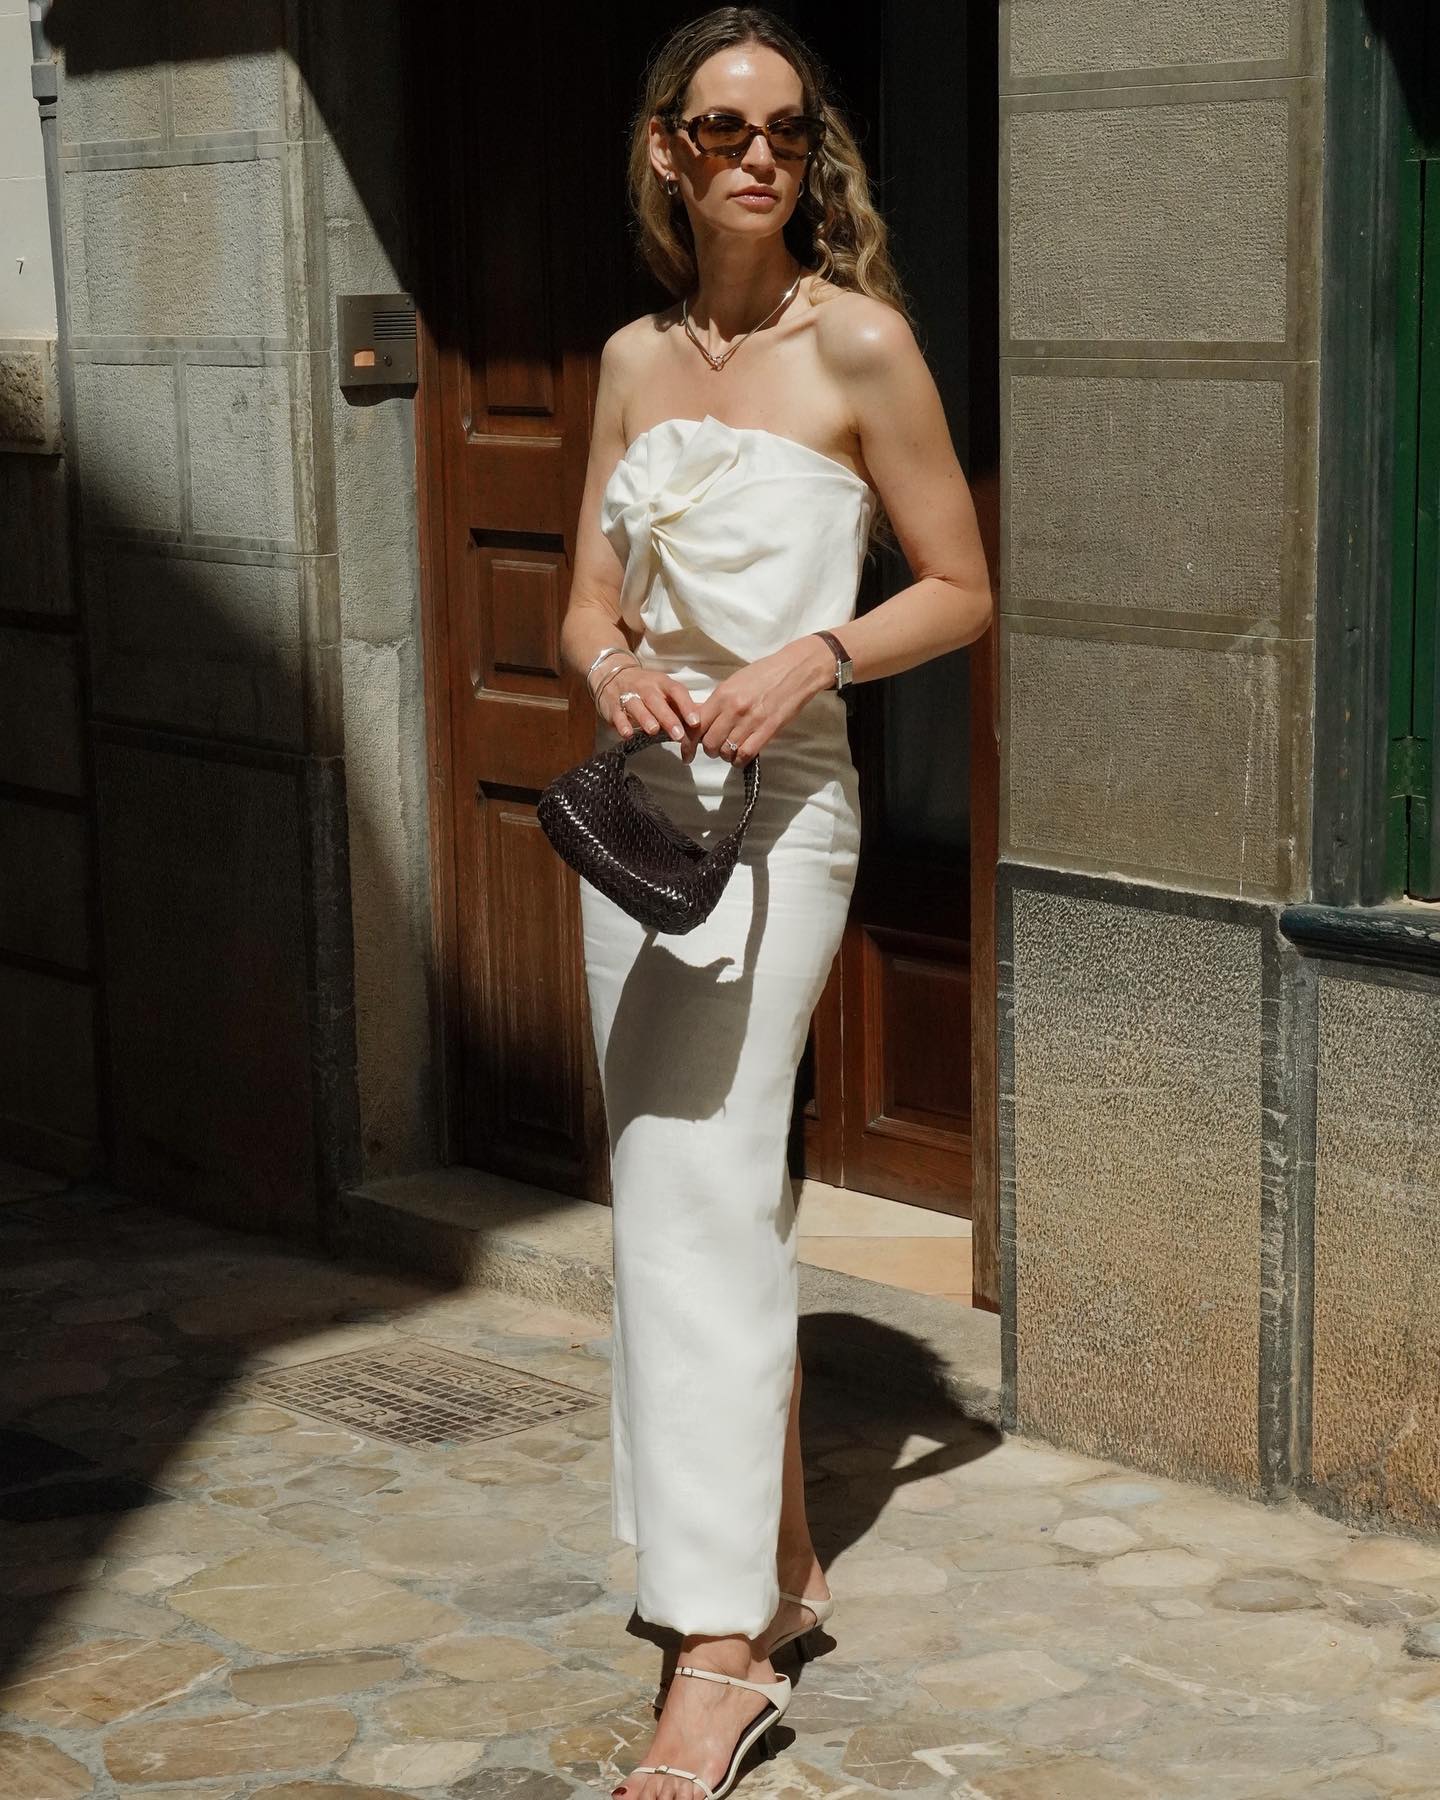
735,541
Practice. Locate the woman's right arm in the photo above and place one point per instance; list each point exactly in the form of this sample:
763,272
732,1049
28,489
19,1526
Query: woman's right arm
592,620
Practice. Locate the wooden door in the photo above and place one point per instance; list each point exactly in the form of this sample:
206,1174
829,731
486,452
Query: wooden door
529,272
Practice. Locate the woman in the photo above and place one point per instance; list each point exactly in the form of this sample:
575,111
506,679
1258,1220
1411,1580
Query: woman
743,442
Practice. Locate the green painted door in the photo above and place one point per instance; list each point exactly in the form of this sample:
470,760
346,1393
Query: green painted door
1413,827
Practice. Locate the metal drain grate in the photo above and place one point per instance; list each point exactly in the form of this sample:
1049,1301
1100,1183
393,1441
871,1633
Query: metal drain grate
419,1395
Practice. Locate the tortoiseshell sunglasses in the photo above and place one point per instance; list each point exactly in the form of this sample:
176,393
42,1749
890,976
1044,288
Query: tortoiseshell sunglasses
727,134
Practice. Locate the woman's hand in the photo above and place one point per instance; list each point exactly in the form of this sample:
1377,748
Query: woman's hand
649,700
748,708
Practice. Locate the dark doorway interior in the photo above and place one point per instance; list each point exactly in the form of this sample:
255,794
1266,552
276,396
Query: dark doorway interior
889,1088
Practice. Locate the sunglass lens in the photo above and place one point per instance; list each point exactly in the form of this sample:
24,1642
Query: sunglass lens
792,137
722,134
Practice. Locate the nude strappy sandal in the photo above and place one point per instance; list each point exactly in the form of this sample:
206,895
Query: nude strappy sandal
777,1696
822,1610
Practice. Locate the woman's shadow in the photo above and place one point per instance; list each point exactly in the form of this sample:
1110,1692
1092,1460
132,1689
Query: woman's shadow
853,1441
854,1438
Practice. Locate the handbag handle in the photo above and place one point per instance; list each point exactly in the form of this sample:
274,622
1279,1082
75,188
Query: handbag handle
750,774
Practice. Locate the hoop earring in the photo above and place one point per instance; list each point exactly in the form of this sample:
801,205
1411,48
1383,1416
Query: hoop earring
672,186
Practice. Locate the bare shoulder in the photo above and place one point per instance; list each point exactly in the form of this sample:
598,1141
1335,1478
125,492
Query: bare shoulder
628,357
859,336
627,350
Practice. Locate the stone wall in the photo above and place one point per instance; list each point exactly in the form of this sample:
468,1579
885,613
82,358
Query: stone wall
1160,308
1374,1427
1159,328
249,593
1219,1143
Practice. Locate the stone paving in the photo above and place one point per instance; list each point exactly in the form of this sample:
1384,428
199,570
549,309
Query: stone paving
216,1597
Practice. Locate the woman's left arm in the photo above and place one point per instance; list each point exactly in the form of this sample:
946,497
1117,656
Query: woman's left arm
905,444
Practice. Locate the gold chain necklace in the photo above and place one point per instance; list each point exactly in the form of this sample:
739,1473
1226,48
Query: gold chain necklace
719,362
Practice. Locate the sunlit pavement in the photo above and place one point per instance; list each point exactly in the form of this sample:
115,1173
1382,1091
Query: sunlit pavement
217,1593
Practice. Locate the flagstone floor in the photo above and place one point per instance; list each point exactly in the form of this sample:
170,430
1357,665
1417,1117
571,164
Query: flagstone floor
214,1594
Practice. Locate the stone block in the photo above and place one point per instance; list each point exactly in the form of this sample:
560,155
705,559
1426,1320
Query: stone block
41,723
35,573
350,55
203,870
1376,1382
190,251
30,1764
384,718
232,93
128,441
236,91
376,527
112,76
1161,222
47,1054
1137,1159
44,883
1091,37
242,480
362,223
1163,753
29,396
235,1744
206,646
1158,496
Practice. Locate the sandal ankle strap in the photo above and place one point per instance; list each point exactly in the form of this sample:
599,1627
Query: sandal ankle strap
770,1689
820,1608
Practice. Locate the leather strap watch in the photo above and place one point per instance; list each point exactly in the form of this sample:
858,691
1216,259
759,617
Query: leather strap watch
844,674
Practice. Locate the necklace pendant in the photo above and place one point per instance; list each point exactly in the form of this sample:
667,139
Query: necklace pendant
718,362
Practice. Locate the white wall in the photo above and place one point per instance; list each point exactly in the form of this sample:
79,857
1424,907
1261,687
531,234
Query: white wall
27,282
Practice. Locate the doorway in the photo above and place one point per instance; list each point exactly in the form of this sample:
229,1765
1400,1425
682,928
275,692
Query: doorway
896,1091
887,1094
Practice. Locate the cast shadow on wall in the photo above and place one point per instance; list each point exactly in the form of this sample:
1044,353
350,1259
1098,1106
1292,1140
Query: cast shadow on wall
225,862
353,61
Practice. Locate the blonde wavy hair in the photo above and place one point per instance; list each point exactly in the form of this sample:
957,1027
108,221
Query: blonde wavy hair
835,230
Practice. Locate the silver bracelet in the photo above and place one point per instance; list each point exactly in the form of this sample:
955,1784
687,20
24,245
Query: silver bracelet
609,650
635,662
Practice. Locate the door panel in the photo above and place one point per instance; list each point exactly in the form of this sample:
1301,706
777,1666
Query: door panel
907,1089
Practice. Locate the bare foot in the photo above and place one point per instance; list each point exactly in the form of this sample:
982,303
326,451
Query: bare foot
701,1721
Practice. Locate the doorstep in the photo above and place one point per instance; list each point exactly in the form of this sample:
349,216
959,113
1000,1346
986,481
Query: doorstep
481,1230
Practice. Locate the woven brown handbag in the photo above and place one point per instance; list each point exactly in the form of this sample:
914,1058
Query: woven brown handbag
604,821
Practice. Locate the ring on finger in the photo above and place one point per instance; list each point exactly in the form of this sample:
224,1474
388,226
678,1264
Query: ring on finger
632,695
731,746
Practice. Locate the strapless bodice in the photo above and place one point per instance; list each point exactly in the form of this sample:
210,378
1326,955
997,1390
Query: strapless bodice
735,540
